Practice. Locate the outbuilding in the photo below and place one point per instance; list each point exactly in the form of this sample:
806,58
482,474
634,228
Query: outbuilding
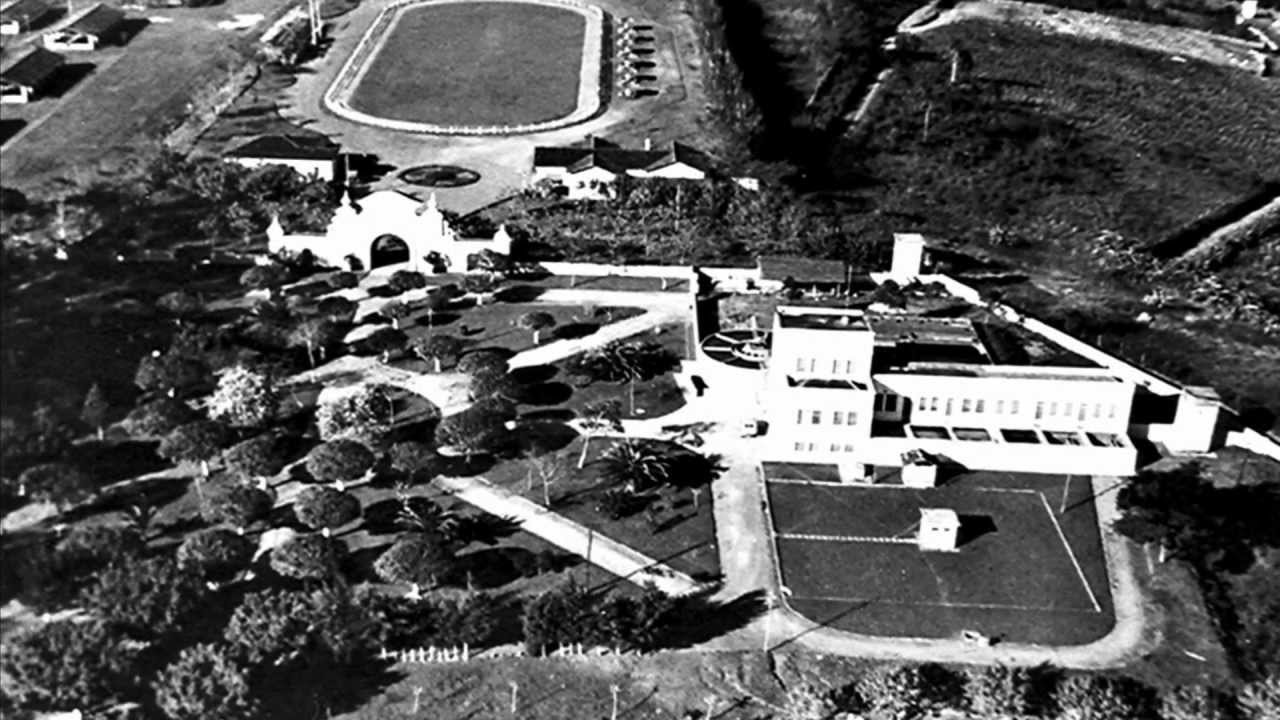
97,26
30,75
309,155
24,15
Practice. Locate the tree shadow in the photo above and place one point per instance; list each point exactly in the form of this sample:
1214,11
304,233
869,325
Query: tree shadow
534,374
519,294
486,528
574,330
698,618
112,462
561,415
555,393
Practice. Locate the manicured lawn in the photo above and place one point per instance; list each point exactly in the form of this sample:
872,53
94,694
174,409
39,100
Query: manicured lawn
496,324
1012,577
682,536
481,63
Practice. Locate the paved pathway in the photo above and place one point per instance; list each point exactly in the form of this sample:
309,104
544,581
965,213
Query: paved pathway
619,559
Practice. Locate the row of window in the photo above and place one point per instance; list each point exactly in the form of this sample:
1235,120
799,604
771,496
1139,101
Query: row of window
812,447
838,417
1042,408
810,365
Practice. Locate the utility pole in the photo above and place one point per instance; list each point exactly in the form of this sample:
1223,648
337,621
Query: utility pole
1066,486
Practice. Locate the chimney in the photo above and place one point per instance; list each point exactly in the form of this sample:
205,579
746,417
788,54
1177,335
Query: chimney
648,144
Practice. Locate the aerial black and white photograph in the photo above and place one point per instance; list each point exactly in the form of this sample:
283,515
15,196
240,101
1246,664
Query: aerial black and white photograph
640,360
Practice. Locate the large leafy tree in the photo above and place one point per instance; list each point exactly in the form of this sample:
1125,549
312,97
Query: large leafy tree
473,431
414,460
365,414
998,692
483,361
438,620
62,484
237,505
436,349
306,557
416,559
215,553
158,417
628,362
1194,702
197,442
147,598
339,461
276,627
323,508
67,664
244,397
385,341
888,693
494,385
206,681
402,281
1100,697
259,457
537,321
1260,700
170,374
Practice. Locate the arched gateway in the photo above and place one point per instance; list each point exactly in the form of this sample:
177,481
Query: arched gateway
388,228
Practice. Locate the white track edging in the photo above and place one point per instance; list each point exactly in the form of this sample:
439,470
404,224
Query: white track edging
338,97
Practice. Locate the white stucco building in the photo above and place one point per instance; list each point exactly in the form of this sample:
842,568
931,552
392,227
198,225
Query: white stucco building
588,171
388,228
311,156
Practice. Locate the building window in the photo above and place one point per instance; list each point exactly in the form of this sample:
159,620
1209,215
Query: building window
1013,407
1084,411
811,447
1097,410
933,404
978,405
1066,410
1053,408
999,407
922,404
799,364
835,447
964,405
848,448
948,408
813,363
835,366
848,367
837,418
815,418
799,447
886,403
851,418
1039,409
1111,413
799,417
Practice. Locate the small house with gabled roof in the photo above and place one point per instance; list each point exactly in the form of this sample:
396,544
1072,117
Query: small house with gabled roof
30,75
97,26
308,155
24,15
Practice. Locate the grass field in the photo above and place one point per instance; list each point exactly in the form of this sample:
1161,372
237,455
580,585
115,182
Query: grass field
134,94
1013,576
483,63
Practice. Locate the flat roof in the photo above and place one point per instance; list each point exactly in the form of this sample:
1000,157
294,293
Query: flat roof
925,330
1027,372
808,319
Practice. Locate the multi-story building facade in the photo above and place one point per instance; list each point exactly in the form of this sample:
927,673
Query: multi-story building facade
860,389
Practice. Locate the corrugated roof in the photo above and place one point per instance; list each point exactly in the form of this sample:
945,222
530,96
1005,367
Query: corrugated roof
99,20
33,69
288,147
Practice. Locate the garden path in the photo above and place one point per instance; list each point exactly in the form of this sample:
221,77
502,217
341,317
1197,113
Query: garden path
621,560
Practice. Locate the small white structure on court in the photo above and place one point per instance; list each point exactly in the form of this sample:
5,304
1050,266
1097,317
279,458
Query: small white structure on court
939,530
919,470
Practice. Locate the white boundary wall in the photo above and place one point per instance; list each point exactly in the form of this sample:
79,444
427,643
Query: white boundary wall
337,98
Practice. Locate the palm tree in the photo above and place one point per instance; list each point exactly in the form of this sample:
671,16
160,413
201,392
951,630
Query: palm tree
638,466
426,516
